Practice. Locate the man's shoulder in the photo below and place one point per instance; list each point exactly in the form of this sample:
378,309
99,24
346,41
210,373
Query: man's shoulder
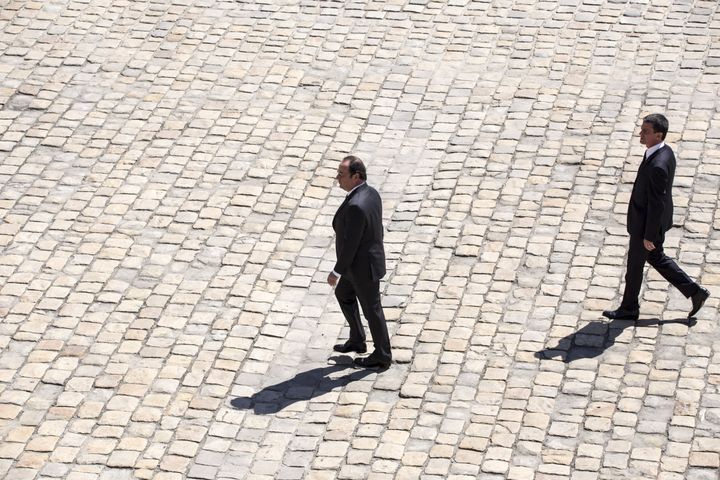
364,192
365,198
664,157
371,190
662,163
666,152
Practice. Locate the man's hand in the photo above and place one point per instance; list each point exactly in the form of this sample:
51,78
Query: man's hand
649,246
332,279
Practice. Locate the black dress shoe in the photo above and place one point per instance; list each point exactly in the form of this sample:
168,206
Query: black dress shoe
698,300
621,314
371,362
350,347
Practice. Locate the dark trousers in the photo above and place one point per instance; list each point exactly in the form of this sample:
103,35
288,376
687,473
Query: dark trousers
348,294
637,256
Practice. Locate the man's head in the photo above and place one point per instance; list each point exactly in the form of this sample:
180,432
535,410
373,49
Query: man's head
351,173
653,130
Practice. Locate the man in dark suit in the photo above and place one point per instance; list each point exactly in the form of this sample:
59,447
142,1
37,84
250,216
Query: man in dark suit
360,263
649,216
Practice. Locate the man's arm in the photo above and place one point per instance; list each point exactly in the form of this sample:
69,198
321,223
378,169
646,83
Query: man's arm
656,193
352,235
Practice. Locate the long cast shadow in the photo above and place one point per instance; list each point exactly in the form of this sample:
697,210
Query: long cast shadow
596,337
303,386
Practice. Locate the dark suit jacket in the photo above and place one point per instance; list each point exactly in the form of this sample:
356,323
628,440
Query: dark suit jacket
650,210
359,235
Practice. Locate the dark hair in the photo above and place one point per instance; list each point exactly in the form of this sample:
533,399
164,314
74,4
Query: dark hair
355,165
658,123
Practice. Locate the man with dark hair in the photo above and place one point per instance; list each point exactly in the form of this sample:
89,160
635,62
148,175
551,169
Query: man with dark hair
355,165
360,264
649,216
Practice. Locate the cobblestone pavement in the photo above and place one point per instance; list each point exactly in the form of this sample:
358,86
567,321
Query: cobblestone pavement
166,195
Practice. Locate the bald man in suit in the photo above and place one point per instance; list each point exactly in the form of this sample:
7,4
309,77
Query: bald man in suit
360,264
650,213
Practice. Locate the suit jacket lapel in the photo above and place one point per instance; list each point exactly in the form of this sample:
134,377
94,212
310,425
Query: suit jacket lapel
345,202
350,195
338,212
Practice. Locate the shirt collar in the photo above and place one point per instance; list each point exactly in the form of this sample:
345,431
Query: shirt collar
653,149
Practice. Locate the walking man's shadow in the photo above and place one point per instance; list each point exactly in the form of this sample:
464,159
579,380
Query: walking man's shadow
596,337
303,386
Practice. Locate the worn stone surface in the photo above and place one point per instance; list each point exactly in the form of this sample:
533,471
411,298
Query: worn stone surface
166,197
